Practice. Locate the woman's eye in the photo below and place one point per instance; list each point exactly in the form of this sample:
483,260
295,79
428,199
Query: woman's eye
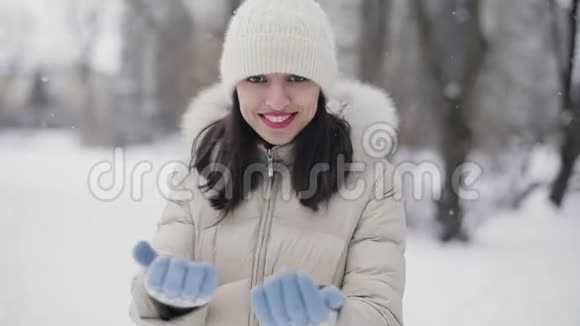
256,79
296,78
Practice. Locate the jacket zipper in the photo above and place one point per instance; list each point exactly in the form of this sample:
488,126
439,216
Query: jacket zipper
260,258
270,163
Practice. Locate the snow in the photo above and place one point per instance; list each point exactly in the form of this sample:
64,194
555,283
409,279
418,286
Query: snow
521,268
67,255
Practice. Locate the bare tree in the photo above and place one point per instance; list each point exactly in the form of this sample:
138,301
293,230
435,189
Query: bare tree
454,49
373,42
175,60
11,70
155,80
208,36
84,18
571,108
14,51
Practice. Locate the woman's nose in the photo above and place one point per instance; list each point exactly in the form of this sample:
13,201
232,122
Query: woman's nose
277,98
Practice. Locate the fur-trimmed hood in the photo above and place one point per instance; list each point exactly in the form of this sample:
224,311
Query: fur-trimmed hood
369,111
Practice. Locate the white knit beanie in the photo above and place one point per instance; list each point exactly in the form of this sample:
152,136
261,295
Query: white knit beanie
279,36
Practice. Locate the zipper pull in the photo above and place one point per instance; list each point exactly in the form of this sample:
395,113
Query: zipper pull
270,163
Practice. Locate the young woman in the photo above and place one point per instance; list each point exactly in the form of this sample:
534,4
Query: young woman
289,213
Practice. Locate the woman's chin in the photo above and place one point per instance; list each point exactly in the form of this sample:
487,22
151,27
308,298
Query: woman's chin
277,140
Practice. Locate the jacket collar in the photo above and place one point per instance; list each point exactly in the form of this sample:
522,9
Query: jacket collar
369,111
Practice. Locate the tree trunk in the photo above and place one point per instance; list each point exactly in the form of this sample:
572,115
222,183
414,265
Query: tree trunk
568,154
175,62
156,77
457,142
85,22
571,103
454,51
89,129
373,40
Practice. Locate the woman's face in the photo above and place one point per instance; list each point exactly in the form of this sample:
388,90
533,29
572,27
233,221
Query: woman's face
278,106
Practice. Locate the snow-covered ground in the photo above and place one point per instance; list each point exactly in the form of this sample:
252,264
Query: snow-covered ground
66,254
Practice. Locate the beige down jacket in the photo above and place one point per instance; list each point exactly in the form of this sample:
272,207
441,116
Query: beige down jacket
355,243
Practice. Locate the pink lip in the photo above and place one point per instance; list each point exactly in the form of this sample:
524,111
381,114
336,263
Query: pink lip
278,125
276,113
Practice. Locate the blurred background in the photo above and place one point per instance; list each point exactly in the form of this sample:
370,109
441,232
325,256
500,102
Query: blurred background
91,93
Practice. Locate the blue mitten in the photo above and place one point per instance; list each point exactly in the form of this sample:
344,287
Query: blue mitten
294,299
175,281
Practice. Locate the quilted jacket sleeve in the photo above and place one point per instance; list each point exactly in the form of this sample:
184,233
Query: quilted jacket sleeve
374,279
175,236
